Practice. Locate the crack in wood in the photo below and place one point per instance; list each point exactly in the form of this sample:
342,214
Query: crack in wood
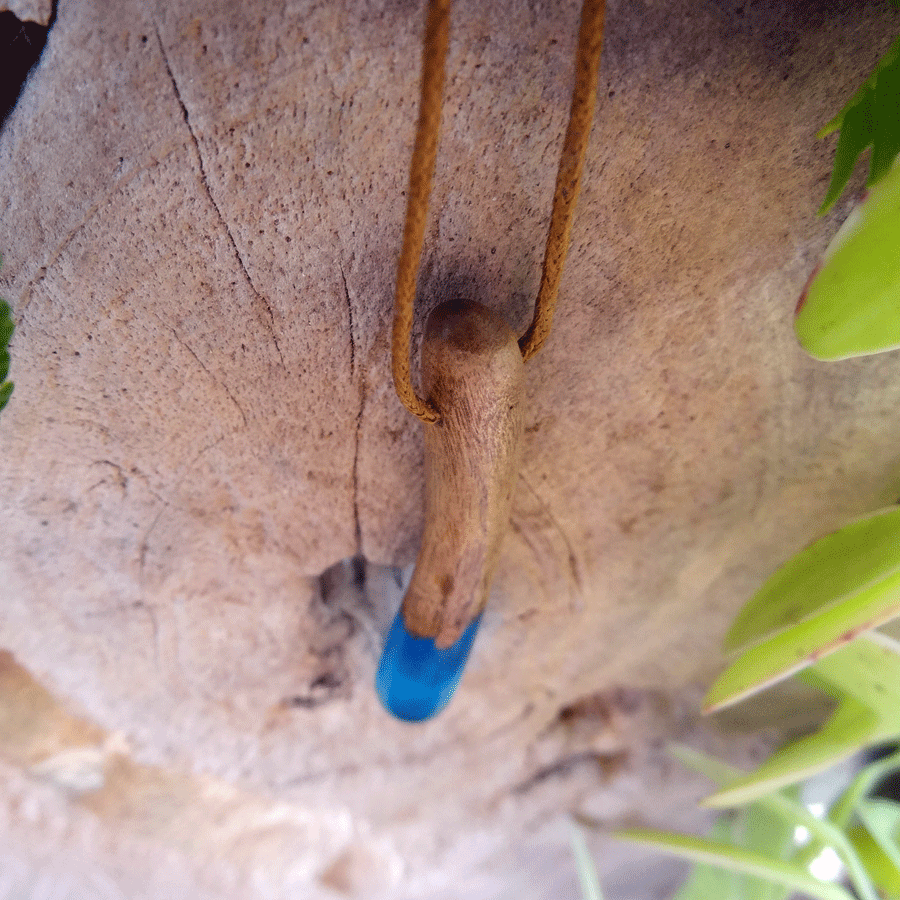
206,185
41,273
359,415
573,560
218,381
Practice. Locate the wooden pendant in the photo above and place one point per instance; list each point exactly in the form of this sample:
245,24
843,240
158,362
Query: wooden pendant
473,373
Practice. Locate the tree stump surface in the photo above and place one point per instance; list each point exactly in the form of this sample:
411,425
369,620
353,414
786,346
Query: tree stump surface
201,211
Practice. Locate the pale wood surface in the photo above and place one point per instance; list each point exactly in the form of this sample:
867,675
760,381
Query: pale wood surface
201,214
472,371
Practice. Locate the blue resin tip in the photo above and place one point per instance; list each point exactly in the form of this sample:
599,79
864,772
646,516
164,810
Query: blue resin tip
416,679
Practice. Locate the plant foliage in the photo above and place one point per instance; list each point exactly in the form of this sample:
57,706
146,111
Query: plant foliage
847,580
868,120
864,678
6,332
587,873
755,854
814,617
851,303
840,586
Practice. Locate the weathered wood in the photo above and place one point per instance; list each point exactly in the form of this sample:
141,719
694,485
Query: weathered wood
472,371
202,208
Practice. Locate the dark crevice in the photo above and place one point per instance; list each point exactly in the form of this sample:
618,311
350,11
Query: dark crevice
323,689
357,523
350,318
359,415
21,46
203,177
351,611
605,765
335,613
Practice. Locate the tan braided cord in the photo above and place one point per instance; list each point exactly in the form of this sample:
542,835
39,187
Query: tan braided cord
568,177
434,53
568,180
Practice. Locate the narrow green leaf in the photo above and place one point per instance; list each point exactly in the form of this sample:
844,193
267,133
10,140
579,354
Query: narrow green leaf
833,568
857,128
886,126
882,820
851,727
714,769
7,327
864,677
851,307
764,830
879,866
772,836
5,392
707,881
867,670
735,859
584,864
866,120
843,808
835,124
799,646
773,816
4,364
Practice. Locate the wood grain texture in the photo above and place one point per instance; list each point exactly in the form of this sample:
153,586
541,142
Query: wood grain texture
472,371
173,488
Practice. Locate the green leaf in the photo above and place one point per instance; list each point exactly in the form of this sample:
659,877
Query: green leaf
735,859
834,568
5,392
772,836
4,364
857,127
836,123
764,829
864,677
868,120
714,769
877,844
868,670
851,306
707,881
796,648
823,597
881,819
772,818
886,121
587,871
6,324
881,870
843,808
846,731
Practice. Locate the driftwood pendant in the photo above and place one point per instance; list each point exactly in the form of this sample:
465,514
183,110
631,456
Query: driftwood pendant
472,371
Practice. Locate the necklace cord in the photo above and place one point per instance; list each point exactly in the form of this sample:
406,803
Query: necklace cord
421,173
568,180
568,177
